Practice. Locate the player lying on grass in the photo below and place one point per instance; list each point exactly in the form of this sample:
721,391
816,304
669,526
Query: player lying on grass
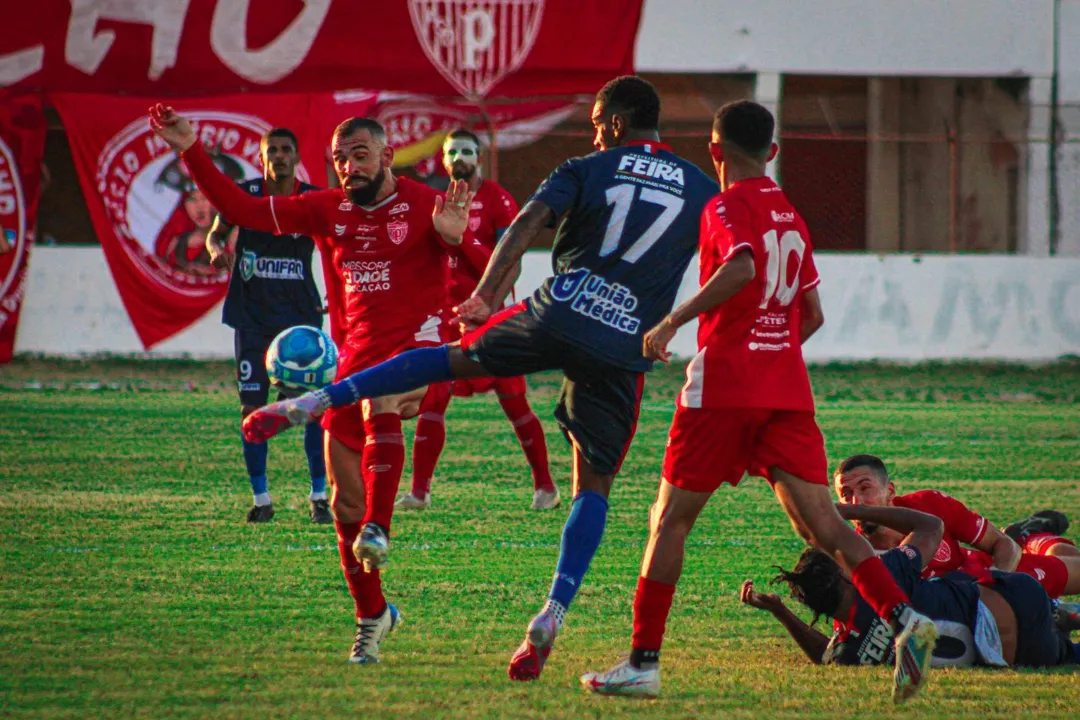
747,406
1007,619
1050,559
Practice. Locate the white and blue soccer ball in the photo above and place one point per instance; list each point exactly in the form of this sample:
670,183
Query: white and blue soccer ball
302,358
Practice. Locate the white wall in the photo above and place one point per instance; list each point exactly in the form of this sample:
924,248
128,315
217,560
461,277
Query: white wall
885,307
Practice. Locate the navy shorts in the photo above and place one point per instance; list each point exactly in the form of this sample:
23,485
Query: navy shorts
599,403
250,347
1039,642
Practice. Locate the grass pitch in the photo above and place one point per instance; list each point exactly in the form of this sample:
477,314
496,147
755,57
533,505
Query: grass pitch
131,587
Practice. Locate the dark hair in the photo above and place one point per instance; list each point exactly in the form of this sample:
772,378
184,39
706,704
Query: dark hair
867,461
279,132
817,582
463,133
746,125
356,124
633,98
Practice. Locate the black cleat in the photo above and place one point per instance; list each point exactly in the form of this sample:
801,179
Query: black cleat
320,512
1066,616
260,513
1044,521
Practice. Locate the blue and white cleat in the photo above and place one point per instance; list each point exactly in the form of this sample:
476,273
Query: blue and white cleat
914,650
624,679
372,547
370,632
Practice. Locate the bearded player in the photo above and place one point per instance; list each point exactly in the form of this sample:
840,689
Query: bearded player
273,289
628,219
493,209
1049,558
747,406
384,240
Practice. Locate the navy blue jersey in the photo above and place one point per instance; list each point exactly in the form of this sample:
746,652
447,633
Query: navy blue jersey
866,639
272,286
630,222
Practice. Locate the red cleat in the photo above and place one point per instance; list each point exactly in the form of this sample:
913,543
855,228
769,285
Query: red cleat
529,658
268,421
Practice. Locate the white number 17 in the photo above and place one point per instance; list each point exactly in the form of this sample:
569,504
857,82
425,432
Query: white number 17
622,197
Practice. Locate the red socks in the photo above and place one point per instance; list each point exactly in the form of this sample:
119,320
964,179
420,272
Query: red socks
383,461
430,437
365,588
652,603
530,434
877,587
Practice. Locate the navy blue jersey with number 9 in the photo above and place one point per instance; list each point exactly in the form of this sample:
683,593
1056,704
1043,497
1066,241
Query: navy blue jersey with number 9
630,224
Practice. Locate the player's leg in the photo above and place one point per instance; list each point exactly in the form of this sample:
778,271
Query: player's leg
1059,575
1043,521
1045,543
317,499
1039,641
598,412
530,433
428,444
254,386
374,616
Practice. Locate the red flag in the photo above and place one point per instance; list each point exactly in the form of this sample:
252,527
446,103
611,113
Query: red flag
22,144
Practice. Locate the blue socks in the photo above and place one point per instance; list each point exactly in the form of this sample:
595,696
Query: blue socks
313,446
581,537
255,459
399,374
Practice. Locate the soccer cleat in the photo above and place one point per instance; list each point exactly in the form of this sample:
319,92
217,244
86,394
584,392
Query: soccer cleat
269,420
1044,521
370,632
1066,616
528,660
320,512
624,679
408,501
260,513
372,547
914,650
545,500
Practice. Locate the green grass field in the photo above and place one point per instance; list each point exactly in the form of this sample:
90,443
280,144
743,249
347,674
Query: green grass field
131,587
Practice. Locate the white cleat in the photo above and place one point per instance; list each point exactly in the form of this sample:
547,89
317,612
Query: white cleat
372,547
370,632
408,501
914,650
544,500
624,679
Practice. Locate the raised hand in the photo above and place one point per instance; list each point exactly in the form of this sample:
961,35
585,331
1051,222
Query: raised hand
170,127
451,214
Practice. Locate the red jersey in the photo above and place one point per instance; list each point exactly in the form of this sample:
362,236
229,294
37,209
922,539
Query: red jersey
961,526
750,353
385,265
493,210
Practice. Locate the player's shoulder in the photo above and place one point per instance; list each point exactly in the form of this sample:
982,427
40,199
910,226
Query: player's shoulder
303,187
415,191
922,499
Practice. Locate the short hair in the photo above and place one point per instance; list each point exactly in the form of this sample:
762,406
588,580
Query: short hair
867,461
356,124
463,133
634,98
279,132
817,582
746,125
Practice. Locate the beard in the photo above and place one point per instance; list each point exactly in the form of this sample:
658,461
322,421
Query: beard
365,194
463,173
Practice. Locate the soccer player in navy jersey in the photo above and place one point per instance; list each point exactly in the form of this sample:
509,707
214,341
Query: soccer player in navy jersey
271,289
628,218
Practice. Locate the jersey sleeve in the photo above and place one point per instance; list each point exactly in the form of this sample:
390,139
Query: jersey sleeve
280,215
966,526
562,188
475,252
905,565
808,274
732,229
503,212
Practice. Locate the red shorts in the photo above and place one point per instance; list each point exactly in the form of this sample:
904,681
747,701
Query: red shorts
1040,543
711,446
504,386
1048,570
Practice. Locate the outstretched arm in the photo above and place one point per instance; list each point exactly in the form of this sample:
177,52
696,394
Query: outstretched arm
923,531
812,642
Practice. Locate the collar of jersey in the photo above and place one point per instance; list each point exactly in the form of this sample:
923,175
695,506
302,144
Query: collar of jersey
655,143
388,199
763,181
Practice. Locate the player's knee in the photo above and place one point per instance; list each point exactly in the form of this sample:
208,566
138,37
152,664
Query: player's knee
346,509
666,521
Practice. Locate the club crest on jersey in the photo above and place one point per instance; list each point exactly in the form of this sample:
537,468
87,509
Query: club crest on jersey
247,265
474,222
474,44
398,231
13,227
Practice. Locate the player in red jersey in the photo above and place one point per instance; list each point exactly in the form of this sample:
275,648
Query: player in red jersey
747,404
864,480
383,241
493,209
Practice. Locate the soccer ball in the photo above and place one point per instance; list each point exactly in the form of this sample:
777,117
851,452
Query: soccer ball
302,358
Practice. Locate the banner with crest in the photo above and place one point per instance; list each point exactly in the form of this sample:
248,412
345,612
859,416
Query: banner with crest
447,48
150,217
22,144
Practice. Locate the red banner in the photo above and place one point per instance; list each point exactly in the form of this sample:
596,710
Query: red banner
22,144
470,48
150,217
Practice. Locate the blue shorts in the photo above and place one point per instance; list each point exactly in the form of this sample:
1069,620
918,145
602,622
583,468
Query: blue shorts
1039,642
250,348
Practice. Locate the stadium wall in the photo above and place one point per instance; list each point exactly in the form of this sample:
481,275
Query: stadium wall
877,307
